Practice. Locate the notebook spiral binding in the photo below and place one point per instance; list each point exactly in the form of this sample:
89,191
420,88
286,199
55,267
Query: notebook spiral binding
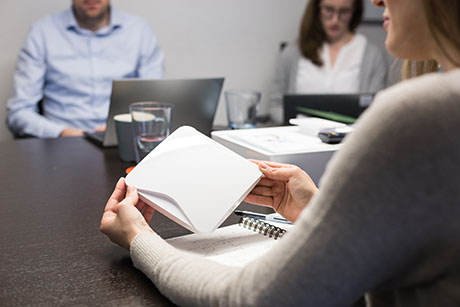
262,227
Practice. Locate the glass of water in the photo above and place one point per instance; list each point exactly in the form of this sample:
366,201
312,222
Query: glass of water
242,108
151,124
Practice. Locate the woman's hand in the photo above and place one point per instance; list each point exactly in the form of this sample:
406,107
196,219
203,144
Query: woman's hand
286,188
123,218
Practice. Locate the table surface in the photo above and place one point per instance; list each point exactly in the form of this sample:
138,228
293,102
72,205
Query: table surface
52,196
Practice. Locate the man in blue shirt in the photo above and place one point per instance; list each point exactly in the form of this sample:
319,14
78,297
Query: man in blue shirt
68,62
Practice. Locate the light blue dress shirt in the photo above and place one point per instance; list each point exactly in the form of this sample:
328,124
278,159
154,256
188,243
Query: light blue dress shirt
72,69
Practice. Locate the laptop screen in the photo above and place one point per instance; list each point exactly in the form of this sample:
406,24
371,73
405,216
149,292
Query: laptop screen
344,108
195,101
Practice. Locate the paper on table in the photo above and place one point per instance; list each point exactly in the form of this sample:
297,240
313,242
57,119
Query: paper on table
232,245
312,125
277,141
194,180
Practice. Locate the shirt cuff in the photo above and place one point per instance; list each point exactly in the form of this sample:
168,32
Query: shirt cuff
51,129
45,128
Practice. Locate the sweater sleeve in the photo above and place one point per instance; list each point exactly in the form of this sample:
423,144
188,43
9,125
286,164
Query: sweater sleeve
371,223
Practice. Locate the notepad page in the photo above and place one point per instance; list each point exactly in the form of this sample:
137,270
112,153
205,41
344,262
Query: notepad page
231,245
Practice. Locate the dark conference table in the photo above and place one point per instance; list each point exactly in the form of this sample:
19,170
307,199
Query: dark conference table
52,196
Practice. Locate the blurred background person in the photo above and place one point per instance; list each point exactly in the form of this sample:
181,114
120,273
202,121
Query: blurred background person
63,78
329,56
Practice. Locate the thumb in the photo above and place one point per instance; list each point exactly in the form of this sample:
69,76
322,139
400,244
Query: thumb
282,173
131,196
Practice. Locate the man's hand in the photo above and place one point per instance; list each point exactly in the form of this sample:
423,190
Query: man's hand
101,128
71,132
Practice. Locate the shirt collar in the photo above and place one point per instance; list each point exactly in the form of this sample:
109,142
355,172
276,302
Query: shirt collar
114,23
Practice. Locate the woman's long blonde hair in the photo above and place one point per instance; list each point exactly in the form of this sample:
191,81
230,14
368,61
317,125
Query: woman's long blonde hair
444,24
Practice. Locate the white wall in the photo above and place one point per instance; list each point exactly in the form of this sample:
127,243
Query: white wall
237,39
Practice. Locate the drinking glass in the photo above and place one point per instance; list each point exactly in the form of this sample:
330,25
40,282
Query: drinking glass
242,108
151,124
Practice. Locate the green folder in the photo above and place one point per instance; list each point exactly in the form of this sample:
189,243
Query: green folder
327,115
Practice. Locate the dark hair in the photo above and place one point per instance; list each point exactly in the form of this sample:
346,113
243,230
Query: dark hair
312,35
443,18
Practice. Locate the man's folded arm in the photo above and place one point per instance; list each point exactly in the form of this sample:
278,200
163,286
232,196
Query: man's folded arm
23,117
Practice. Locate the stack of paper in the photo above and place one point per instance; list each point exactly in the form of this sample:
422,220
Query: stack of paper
194,180
313,125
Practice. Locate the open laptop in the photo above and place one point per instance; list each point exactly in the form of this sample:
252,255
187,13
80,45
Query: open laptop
345,108
195,102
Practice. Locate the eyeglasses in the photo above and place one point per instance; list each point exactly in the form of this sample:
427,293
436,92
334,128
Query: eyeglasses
328,12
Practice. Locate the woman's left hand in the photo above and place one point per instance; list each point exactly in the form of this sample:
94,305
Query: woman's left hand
125,215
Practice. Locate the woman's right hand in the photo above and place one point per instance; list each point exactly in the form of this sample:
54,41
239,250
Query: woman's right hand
285,188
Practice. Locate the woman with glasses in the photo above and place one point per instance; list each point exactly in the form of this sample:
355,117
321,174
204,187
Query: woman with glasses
329,57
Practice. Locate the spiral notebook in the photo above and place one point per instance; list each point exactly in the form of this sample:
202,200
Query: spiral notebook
234,245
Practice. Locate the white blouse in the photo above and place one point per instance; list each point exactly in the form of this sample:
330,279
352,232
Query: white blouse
343,77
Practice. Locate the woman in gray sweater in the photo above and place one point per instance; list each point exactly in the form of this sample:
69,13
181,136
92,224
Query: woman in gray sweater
385,221
328,56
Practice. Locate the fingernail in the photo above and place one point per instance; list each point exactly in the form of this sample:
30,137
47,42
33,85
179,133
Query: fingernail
263,166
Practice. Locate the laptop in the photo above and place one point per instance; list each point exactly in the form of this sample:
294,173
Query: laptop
195,103
345,108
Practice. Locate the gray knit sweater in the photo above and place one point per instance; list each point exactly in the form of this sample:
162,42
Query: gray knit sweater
385,223
372,76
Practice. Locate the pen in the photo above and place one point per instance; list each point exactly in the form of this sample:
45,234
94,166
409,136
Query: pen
261,216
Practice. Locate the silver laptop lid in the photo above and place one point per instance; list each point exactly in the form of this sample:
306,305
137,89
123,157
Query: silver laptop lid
195,101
